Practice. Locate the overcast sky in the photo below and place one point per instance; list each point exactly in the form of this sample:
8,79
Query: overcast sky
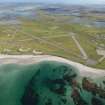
60,1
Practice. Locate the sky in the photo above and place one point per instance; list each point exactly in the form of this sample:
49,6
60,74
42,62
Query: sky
60,1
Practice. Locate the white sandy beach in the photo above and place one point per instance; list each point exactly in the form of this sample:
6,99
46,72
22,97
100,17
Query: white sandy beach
31,59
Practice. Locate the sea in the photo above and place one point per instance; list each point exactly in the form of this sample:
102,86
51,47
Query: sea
48,83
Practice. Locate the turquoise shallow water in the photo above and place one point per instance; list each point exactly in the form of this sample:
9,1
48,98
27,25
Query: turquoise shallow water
48,83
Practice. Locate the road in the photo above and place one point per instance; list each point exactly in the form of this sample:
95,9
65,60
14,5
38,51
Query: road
85,56
54,44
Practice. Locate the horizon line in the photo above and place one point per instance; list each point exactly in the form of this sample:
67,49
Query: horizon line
52,3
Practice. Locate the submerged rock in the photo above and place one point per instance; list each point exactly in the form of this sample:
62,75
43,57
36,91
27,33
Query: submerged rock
96,101
48,83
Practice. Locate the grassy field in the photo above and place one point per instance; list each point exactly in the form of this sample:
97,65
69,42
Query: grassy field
52,35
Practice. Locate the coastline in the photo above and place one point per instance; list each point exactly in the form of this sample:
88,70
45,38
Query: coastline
31,59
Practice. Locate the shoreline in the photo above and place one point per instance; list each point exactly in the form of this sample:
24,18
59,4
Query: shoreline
33,59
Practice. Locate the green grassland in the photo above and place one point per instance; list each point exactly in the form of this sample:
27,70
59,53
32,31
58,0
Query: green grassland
51,34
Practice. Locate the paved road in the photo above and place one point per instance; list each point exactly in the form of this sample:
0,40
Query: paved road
45,41
55,36
80,47
101,59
